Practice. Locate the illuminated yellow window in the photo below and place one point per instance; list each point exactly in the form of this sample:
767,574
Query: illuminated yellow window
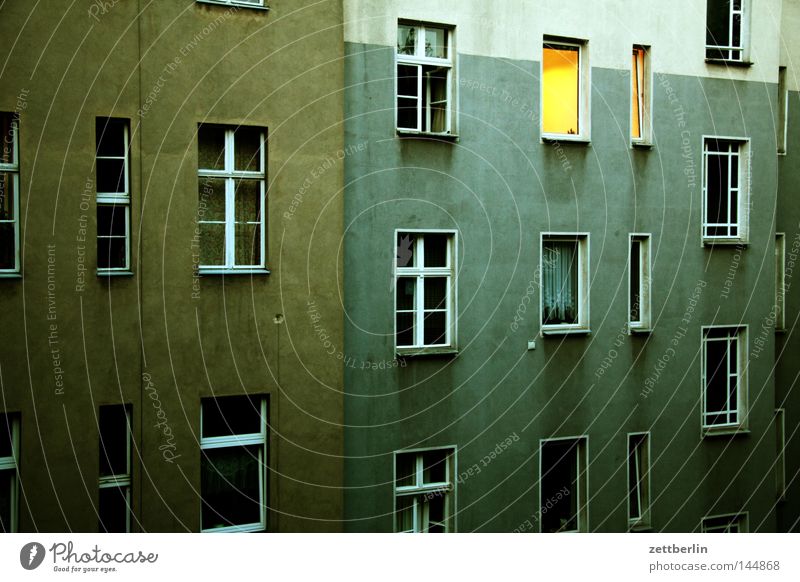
640,117
561,89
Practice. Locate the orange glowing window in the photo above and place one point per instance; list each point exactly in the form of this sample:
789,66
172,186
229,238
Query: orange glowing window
638,94
561,89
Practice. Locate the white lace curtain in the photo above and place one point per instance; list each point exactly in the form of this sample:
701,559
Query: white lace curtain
560,282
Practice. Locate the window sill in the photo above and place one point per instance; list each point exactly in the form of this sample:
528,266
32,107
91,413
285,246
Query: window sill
710,431
639,527
639,330
566,330
102,273
250,528
411,134
723,242
642,145
415,352
10,275
203,272
235,4
780,330
729,63
566,138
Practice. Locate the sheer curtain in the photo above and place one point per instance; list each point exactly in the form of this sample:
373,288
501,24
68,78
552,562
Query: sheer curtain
560,282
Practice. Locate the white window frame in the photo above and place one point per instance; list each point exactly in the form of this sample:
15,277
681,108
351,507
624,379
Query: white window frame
780,281
230,175
736,53
739,520
118,199
239,440
642,521
257,4
780,457
582,481
13,169
122,481
12,464
740,334
743,192
644,99
783,111
584,91
644,323
420,272
419,60
582,239
420,490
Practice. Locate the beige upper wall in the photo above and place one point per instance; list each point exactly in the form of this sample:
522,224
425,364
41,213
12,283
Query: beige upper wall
790,43
514,29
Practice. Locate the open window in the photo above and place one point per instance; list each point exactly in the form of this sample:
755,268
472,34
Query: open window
565,282
726,30
114,506
726,190
112,170
9,195
424,83
780,281
728,523
783,110
9,473
724,379
565,90
563,485
639,481
639,283
640,96
424,491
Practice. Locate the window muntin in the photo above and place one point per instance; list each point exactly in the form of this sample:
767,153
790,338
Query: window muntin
730,523
425,290
725,30
563,485
233,465
424,491
725,189
232,197
639,282
9,472
114,499
639,480
724,377
9,193
112,172
640,95
780,281
780,454
424,89
564,282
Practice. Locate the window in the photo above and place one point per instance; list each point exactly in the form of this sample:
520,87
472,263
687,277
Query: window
563,484
783,110
640,95
9,474
9,193
231,205
725,30
424,491
639,480
780,453
425,291
731,523
112,169
233,464
565,282
724,371
726,177
565,98
780,281
243,3
114,511
639,282
424,78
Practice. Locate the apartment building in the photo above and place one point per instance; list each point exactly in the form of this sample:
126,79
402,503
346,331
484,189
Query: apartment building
161,170
567,241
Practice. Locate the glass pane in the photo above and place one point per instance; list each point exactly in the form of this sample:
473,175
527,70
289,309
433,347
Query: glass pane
111,253
435,42
436,250
211,147
560,293
8,125
635,274
7,482
212,244
111,220
247,149
404,518
435,328
406,39
405,329
7,194
211,204
7,246
110,176
717,189
435,503
435,292
637,92
406,288
734,171
717,22
559,483
406,470
436,92
248,244
434,466
230,415
407,114
113,510
113,429
5,436
248,200
110,137
408,80
716,380
561,72
405,249
230,486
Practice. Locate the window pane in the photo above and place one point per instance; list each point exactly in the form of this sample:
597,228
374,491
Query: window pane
435,292
231,415
212,199
560,282
247,149
435,42
436,94
248,244
110,176
113,509
435,328
212,244
7,246
434,466
111,253
405,329
407,114
111,220
716,380
110,137
7,481
406,470
8,125
404,519
5,436
436,250
113,429
211,147
561,87
435,503
637,92
717,22
405,249
230,486
408,80
717,189
7,194
635,274
406,39
248,200
559,475
406,288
